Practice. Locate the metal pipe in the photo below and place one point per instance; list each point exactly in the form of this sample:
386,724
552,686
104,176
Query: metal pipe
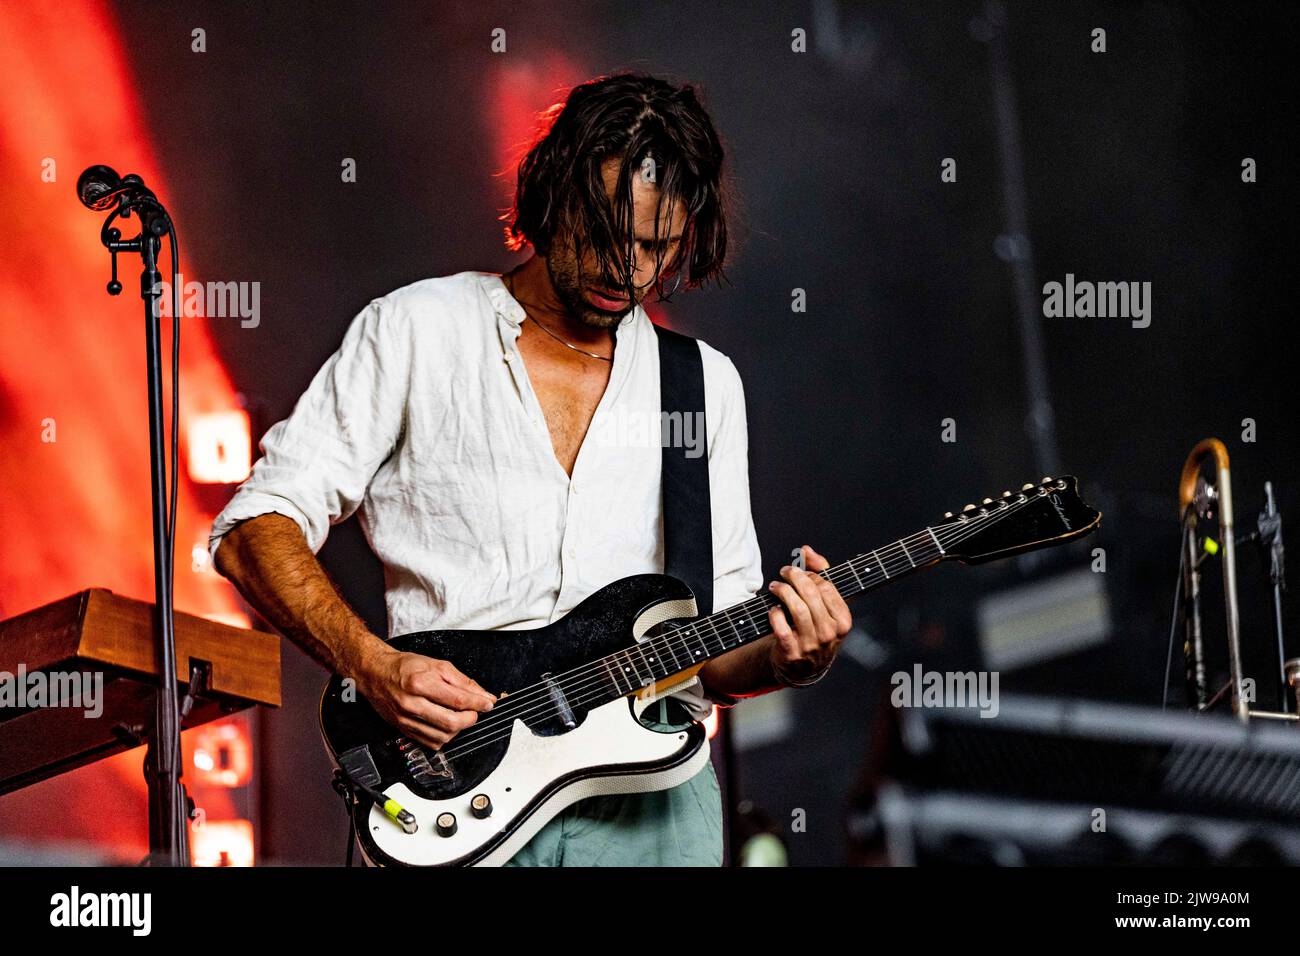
1213,448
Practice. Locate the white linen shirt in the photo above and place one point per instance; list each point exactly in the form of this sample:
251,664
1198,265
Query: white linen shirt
425,420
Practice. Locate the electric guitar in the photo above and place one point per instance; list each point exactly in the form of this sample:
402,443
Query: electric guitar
569,726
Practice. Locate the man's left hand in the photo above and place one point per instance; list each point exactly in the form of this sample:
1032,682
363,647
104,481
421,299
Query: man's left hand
808,640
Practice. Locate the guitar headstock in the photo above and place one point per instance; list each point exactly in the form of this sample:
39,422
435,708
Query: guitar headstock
1041,514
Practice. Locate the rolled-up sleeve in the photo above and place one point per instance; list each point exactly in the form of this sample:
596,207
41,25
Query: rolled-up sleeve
317,464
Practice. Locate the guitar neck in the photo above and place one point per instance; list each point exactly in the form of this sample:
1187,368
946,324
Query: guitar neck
707,637
1043,514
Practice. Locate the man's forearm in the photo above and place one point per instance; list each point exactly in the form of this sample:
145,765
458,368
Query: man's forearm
269,561
745,672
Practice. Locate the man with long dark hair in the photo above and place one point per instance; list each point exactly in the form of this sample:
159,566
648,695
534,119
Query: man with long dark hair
485,427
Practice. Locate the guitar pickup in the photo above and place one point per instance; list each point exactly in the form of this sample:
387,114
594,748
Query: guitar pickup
560,701
423,770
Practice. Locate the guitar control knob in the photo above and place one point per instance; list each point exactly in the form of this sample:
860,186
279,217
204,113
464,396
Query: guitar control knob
481,806
445,824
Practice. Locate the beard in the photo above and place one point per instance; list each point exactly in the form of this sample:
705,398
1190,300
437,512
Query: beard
566,280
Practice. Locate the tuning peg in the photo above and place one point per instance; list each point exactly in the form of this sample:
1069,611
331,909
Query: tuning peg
968,508
947,514
1047,479
1006,494
1027,487
987,501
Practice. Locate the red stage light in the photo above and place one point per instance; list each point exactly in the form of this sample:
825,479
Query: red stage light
222,843
73,429
220,447
223,755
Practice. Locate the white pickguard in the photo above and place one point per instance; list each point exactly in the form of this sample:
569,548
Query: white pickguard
609,735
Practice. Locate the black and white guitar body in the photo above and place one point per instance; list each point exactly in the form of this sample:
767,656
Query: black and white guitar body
568,724
536,752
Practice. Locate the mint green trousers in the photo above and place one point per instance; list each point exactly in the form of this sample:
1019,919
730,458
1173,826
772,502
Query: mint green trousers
681,826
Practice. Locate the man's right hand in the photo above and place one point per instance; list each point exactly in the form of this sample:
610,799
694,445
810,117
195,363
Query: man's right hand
428,699
268,559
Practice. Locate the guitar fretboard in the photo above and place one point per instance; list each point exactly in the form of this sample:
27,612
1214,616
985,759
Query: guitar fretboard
680,645
696,641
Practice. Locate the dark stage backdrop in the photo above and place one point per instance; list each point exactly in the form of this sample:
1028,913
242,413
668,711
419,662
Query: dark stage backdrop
1133,172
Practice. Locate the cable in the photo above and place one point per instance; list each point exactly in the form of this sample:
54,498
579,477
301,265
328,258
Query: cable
181,820
343,786
1173,622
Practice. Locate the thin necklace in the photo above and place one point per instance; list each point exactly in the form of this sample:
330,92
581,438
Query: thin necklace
510,283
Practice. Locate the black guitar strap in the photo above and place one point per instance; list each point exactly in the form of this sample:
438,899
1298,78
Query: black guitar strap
688,524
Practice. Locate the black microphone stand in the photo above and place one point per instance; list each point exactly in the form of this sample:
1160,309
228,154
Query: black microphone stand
168,803
1270,539
1268,534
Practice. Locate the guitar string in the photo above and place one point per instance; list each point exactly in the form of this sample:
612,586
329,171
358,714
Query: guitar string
468,737
488,724
470,741
844,572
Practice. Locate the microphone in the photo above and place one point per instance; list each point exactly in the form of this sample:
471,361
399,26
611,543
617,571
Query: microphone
100,187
